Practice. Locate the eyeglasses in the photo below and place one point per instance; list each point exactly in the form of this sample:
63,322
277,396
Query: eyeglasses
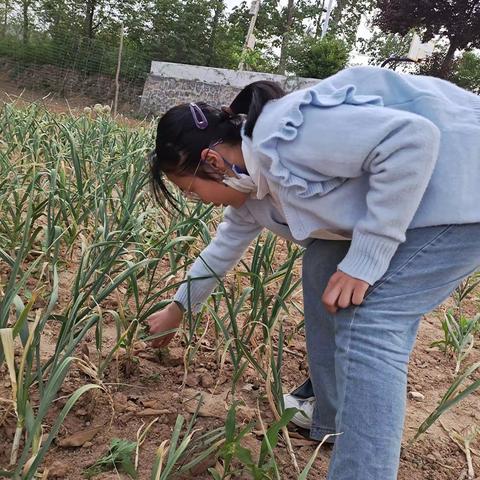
188,192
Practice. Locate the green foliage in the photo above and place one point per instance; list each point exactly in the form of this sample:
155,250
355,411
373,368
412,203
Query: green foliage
457,21
381,46
185,450
84,36
118,457
346,18
75,185
454,394
467,72
319,58
459,334
263,468
458,329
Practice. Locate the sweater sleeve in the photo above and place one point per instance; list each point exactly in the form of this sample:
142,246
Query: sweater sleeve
234,234
396,149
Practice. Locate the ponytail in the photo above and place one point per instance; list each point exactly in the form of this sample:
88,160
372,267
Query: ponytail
251,100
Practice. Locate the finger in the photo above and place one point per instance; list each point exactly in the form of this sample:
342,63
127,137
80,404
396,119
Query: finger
330,297
334,279
359,294
345,297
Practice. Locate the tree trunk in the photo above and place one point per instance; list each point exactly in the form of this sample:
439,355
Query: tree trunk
25,30
337,14
5,18
89,14
446,65
285,38
219,6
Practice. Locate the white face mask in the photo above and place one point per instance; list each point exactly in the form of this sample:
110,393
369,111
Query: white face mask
242,183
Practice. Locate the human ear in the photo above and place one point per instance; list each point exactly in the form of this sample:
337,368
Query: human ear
214,159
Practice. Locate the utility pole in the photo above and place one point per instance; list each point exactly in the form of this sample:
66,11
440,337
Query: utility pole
250,39
117,76
327,19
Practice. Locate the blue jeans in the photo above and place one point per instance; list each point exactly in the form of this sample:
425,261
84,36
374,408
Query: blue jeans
358,357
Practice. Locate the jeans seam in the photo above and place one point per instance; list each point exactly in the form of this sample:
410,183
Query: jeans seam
408,261
347,370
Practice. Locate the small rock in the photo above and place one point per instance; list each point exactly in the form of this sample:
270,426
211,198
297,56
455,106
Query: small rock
58,469
206,380
191,380
174,357
81,412
120,402
419,397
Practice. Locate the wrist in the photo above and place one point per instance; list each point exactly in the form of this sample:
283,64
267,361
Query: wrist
178,307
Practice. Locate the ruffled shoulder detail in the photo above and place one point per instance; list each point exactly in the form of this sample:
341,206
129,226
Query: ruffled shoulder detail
281,120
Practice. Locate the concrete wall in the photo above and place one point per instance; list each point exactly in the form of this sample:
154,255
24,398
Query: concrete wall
170,84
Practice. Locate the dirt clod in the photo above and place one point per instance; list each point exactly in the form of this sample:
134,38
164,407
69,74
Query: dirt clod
206,380
59,469
79,438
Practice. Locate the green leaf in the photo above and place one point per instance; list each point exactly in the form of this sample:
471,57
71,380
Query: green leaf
272,434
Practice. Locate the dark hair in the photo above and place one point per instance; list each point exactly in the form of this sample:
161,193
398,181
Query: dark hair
180,141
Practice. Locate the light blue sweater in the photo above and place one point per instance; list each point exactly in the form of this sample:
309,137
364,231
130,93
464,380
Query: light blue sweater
365,154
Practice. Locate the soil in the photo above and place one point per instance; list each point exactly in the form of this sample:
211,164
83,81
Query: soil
11,92
155,389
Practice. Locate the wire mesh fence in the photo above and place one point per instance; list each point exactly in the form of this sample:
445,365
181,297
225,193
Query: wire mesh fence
76,66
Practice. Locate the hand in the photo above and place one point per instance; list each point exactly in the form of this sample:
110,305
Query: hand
342,291
163,321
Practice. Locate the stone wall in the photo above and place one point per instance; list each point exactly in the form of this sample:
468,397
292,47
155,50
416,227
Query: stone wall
170,84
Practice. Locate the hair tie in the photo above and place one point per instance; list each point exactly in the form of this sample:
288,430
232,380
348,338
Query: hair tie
198,116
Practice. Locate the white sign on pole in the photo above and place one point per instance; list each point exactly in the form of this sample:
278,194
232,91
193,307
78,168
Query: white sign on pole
420,51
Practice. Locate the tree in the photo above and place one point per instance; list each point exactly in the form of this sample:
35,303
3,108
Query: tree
346,18
26,4
320,58
218,7
457,20
285,36
467,72
76,18
5,12
381,46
